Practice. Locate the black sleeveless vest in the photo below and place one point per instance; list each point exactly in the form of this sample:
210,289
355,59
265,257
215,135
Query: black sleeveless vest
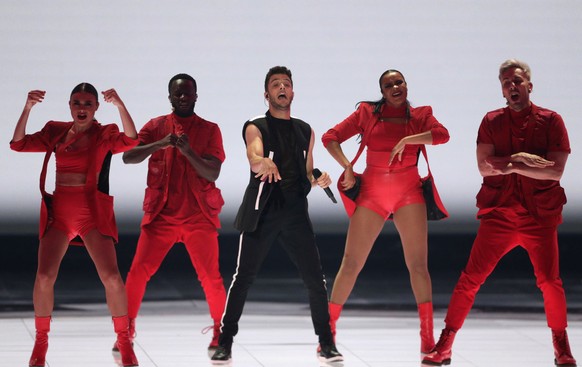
258,192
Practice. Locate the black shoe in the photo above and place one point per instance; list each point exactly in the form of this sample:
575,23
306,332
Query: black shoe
222,355
329,353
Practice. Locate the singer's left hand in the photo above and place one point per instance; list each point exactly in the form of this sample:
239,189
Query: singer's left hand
397,151
324,180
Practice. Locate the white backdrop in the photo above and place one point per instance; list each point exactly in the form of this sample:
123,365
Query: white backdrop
449,51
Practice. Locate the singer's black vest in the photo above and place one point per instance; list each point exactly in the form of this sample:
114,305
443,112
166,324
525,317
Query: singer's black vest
258,192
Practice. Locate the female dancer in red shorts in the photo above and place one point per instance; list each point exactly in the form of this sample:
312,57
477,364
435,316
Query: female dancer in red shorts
80,208
390,188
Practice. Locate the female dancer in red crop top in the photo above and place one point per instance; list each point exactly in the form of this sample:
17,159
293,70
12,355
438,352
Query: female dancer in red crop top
390,187
78,207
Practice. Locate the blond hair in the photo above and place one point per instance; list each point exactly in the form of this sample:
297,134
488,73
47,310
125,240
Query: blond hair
517,64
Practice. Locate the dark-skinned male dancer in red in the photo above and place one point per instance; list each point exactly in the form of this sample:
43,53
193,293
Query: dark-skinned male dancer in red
181,202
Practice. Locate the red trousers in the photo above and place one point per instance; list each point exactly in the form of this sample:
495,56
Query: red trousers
156,240
501,231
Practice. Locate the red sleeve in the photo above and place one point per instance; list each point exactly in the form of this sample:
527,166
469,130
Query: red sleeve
349,127
558,140
440,134
117,141
214,147
147,133
485,134
37,142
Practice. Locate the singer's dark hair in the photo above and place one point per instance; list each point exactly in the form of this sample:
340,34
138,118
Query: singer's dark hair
182,76
87,88
277,70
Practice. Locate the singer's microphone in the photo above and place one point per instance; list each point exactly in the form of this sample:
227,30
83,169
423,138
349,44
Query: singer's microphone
317,174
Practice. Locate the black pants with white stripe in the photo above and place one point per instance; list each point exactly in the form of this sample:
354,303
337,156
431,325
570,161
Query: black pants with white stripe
290,226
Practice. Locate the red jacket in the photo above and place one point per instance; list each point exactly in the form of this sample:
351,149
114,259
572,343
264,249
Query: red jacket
205,139
544,199
105,139
421,120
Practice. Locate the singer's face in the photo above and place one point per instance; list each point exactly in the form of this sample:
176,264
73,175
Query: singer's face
183,97
516,88
394,89
280,92
83,106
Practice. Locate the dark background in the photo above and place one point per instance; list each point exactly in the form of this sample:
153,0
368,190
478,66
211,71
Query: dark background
383,284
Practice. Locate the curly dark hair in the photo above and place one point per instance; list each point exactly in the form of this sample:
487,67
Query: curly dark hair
277,70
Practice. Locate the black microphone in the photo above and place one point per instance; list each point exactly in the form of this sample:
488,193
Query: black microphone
317,174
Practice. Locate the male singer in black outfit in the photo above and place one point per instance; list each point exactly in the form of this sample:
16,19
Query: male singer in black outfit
274,208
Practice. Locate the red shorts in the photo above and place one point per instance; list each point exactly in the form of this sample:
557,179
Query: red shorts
71,211
385,191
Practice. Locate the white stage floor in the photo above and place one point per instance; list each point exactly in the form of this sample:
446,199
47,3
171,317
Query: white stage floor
280,335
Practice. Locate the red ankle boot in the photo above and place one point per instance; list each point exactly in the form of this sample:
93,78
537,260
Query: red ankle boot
442,352
563,355
43,326
334,313
131,335
121,327
215,335
426,327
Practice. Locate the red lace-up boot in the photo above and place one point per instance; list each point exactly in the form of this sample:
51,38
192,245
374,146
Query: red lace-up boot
215,335
426,327
563,355
334,313
43,326
442,352
123,343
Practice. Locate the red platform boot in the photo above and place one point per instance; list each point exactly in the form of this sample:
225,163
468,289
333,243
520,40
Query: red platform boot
121,326
563,355
442,352
43,326
131,335
334,313
426,327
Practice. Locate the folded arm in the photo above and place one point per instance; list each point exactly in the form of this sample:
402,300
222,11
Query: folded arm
522,163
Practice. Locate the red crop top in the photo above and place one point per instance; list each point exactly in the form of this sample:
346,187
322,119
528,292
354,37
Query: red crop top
73,156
